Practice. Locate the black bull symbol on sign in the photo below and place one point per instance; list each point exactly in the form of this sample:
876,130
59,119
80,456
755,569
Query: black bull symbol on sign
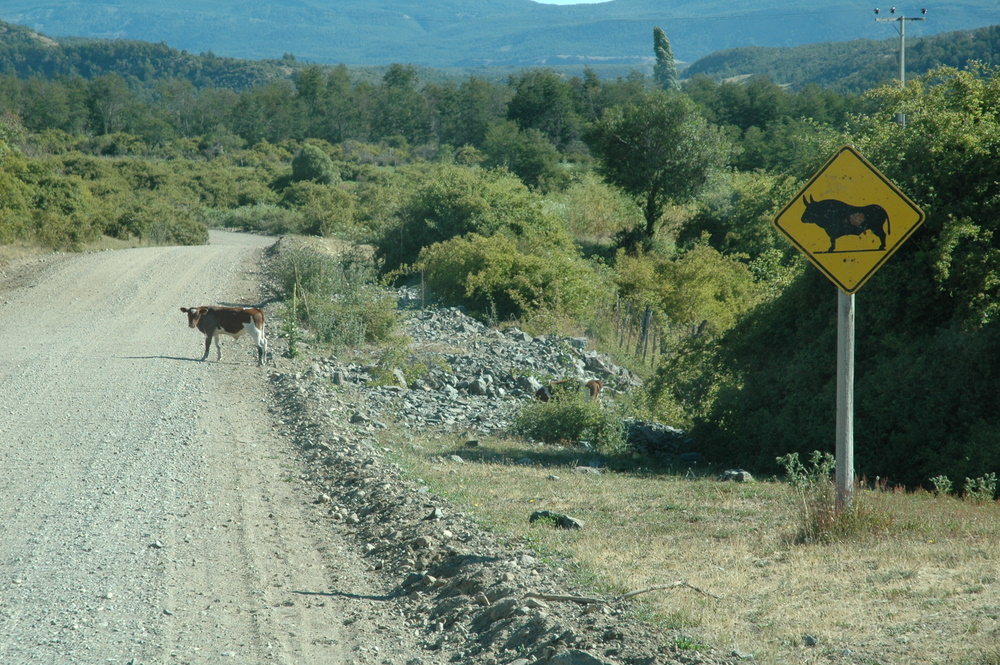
840,219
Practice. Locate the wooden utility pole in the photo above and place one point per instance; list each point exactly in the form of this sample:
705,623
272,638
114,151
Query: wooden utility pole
901,118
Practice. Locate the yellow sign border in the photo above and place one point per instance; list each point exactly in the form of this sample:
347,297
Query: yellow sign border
889,251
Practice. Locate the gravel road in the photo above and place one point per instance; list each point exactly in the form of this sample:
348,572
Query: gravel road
149,511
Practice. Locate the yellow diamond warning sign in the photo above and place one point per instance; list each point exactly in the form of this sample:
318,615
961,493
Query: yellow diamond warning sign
848,219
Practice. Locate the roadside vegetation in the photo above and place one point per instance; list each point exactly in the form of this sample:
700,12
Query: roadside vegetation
552,204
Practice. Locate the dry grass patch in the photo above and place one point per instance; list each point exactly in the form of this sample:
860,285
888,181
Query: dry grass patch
919,584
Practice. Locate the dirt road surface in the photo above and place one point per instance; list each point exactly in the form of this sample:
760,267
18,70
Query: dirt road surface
149,510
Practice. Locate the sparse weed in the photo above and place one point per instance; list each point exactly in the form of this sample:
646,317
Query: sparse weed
801,476
335,296
687,643
982,489
821,522
942,485
732,539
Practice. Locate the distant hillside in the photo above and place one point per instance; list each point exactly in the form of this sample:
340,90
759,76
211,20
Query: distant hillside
475,33
855,65
845,66
26,53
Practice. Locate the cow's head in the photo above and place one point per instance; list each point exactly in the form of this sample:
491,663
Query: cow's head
194,315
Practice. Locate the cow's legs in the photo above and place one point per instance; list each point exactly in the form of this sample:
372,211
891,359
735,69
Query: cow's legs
208,346
258,337
218,348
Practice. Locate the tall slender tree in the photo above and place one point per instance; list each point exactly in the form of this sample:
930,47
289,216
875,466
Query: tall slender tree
665,69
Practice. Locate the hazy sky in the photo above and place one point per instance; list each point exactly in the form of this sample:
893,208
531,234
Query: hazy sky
569,2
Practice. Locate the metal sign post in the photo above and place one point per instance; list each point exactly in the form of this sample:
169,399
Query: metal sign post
845,401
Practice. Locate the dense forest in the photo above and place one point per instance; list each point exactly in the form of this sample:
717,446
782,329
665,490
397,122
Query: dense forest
545,200
853,66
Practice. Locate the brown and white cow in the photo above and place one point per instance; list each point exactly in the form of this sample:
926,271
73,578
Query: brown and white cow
232,321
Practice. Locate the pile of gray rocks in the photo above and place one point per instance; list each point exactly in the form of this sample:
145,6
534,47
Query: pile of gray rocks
474,377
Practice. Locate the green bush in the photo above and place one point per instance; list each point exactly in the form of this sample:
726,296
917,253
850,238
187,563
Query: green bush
325,209
492,277
450,201
312,163
336,297
179,230
15,197
571,418
261,218
982,489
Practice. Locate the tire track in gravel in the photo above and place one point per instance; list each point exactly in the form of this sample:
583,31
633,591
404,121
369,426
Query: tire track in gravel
149,511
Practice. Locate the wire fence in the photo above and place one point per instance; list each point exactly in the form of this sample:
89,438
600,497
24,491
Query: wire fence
640,331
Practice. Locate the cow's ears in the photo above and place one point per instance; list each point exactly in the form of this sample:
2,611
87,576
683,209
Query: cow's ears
184,309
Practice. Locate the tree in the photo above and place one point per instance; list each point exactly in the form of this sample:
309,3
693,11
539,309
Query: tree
525,153
544,101
665,70
659,150
400,110
110,102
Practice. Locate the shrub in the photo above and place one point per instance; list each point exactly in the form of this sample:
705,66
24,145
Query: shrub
452,201
262,218
571,418
821,522
595,211
312,163
326,210
818,473
492,277
336,296
942,485
982,489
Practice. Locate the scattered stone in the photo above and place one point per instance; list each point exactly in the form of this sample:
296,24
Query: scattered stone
400,378
557,519
809,640
577,657
736,475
